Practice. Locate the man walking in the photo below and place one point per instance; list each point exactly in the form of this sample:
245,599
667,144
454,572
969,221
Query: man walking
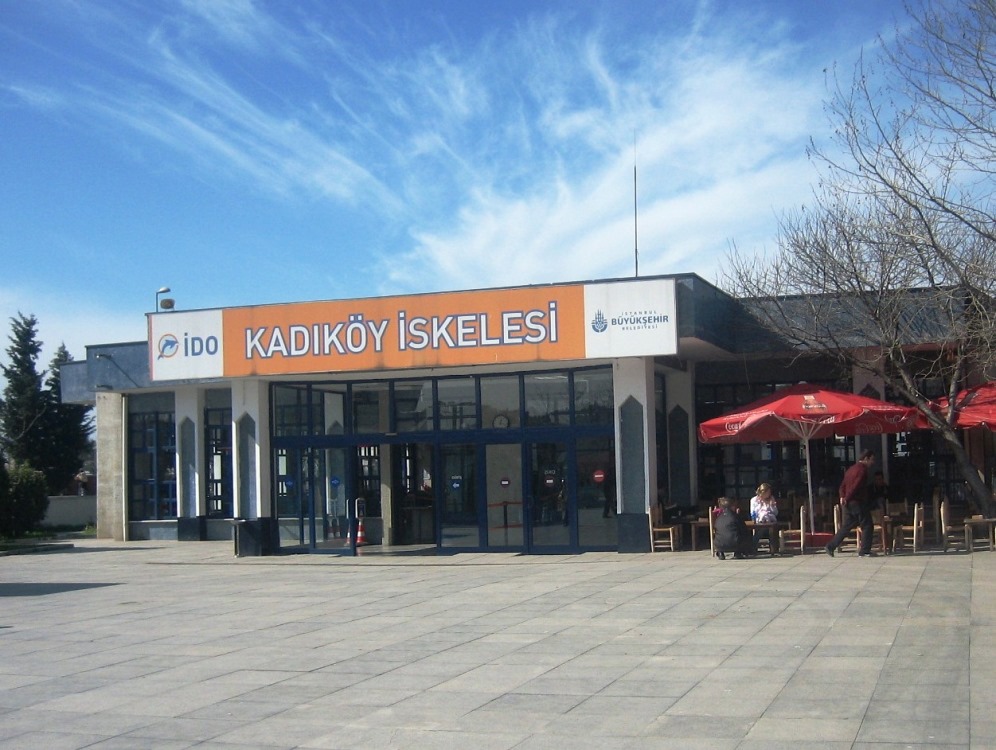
854,504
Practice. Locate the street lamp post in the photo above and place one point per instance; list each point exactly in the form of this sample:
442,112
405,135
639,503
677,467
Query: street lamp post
162,290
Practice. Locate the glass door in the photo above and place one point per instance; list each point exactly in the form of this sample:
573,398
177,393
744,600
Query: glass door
414,514
503,472
331,515
551,511
596,493
311,493
293,501
459,525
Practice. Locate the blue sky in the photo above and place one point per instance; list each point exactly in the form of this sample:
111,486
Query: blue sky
251,152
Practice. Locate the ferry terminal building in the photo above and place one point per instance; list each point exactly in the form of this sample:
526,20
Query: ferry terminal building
536,419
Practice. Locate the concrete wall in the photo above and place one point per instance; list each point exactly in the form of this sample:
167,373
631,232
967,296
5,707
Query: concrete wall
111,410
71,510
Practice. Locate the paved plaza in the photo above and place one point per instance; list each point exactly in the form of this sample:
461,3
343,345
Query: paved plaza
179,645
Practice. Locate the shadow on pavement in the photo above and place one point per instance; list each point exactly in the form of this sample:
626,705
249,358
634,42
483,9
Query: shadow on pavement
42,589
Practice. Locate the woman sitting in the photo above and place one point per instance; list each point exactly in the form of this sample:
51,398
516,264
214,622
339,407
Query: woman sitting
730,533
764,510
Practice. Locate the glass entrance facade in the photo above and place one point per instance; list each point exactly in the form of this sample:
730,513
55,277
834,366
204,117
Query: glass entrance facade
520,462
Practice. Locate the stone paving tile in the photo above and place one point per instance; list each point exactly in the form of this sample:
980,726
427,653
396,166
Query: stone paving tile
172,645
805,730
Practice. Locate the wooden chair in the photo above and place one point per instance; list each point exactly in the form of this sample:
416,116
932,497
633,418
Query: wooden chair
951,536
712,531
793,504
663,537
898,509
909,536
850,542
932,516
794,540
979,533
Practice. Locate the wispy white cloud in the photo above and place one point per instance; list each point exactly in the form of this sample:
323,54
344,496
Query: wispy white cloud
238,23
713,130
37,97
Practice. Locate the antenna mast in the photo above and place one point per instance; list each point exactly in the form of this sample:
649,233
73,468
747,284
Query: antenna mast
636,246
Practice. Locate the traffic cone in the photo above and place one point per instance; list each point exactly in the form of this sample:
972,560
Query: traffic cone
361,536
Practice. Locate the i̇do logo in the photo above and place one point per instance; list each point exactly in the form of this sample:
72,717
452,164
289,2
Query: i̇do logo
168,346
193,346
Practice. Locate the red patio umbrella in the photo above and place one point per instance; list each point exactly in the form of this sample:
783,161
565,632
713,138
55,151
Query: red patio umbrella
804,412
974,407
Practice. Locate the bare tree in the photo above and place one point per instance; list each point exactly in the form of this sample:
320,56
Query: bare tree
892,268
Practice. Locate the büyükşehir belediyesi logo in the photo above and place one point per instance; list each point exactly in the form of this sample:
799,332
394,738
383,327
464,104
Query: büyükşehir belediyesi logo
168,346
639,320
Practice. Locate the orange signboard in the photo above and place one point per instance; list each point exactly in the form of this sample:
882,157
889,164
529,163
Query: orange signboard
463,328
553,323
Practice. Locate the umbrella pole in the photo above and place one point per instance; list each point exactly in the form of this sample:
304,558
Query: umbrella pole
809,484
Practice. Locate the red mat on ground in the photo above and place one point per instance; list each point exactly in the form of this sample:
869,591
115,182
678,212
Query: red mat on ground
820,539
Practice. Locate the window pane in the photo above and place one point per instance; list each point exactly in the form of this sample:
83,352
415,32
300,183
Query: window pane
330,409
547,399
370,407
593,397
500,401
457,404
290,410
413,405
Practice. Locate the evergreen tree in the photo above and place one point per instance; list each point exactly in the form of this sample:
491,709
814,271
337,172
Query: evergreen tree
23,500
22,412
6,500
67,427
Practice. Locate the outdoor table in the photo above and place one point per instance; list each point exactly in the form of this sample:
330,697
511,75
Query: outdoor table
769,525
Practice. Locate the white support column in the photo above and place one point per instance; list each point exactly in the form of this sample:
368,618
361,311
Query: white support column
189,403
680,392
250,399
633,378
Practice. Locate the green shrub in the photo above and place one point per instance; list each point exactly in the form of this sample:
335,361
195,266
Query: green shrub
5,501
23,500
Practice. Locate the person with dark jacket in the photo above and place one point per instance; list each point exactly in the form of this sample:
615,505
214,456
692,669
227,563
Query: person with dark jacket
855,506
730,533
879,495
